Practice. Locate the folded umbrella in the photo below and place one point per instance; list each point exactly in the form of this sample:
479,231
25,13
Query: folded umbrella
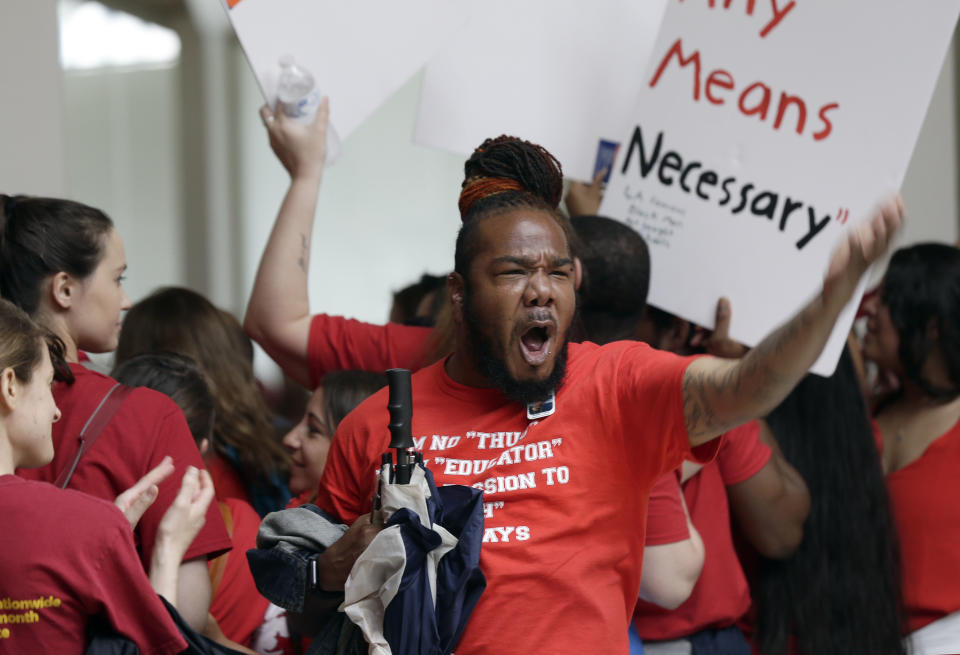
414,587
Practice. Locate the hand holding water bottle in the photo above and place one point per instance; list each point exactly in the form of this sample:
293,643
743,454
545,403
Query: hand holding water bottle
298,98
302,149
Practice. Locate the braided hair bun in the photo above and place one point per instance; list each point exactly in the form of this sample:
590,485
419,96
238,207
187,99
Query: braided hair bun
510,167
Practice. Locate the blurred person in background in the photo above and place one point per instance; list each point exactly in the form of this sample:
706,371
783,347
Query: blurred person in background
247,460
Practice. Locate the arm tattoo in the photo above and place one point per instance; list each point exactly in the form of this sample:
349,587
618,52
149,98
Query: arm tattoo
701,391
753,385
695,406
304,253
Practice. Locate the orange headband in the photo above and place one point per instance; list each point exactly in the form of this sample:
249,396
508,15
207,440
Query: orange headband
484,187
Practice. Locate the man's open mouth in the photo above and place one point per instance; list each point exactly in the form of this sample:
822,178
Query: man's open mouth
535,343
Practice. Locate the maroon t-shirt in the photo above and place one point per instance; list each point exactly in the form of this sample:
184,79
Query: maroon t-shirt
68,557
145,428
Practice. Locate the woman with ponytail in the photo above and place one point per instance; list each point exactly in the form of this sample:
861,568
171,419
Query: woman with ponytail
63,263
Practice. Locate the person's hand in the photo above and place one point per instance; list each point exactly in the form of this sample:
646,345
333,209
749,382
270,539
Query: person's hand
335,563
718,342
302,149
137,499
187,514
865,244
584,199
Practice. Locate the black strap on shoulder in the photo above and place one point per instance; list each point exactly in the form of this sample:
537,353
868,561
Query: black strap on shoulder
94,426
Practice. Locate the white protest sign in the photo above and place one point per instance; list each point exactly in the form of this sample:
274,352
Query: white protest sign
562,73
359,53
763,131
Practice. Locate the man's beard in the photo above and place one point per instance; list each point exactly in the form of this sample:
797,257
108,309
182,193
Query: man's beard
494,369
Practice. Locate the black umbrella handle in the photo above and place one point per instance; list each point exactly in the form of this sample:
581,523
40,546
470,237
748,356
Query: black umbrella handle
400,406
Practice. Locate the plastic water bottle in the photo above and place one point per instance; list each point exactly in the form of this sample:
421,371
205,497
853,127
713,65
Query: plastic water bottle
299,99
296,92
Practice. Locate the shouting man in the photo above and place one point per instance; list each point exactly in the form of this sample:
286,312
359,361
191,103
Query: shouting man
564,439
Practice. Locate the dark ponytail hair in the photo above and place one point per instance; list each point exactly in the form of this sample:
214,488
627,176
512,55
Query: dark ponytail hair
839,593
43,236
521,166
922,285
178,377
503,174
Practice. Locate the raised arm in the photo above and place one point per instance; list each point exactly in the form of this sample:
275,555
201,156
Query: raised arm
721,394
278,314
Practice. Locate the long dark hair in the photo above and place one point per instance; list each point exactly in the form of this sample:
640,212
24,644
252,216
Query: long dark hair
840,592
44,236
922,285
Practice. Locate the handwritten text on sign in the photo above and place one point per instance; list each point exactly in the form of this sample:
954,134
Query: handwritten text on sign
763,130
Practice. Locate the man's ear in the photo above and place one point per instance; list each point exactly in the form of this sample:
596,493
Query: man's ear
63,290
9,389
577,273
456,288
204,446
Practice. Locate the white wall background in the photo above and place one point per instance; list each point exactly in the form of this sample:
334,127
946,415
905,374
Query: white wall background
930,189
31,106
122,149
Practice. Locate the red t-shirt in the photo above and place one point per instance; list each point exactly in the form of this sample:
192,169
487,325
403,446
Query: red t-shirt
565,496
336,344
236,604
302,499
924,498
666,520
720,595
68,557
145,428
